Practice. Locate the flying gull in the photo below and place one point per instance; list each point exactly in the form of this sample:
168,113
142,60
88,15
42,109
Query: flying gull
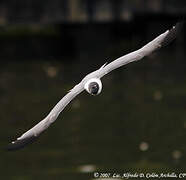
92,84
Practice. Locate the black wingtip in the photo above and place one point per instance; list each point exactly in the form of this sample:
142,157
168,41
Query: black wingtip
19,144
173,32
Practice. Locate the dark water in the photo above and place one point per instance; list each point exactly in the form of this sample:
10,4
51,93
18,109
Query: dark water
137,123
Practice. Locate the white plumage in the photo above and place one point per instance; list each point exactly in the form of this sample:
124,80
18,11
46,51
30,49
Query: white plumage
95,76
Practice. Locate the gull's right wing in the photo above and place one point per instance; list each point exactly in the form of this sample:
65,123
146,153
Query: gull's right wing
32,134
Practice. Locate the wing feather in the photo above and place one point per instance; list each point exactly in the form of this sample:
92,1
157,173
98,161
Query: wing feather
160,41
32,134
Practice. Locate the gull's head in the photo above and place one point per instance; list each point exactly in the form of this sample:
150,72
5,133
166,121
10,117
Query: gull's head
93,86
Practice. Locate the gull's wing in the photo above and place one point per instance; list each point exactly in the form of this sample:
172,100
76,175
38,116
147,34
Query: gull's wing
34,132
157,43
160,41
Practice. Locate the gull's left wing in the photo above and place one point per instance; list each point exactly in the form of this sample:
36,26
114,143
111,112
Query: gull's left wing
32,134
160,41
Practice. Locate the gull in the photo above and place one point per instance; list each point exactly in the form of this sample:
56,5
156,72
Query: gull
93,85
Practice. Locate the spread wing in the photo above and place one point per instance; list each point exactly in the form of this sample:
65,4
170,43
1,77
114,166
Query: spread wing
160,41
157,43
32,134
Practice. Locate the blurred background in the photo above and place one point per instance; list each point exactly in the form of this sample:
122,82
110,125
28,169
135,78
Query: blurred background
137,123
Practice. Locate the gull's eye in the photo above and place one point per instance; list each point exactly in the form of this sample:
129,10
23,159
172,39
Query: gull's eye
94,88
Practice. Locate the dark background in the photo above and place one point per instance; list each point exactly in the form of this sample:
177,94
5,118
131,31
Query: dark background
137,123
